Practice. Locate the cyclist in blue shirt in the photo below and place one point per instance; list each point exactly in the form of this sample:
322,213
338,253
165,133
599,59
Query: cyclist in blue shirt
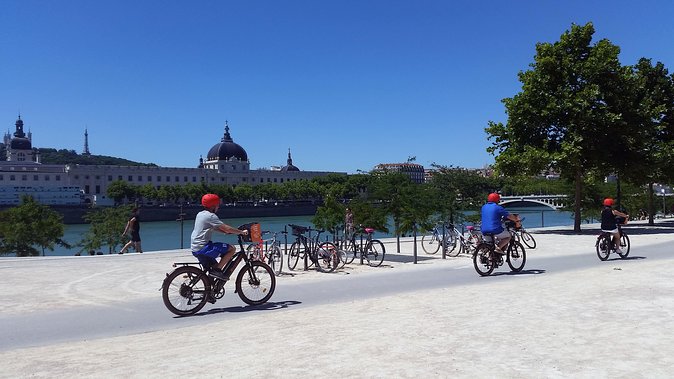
492,215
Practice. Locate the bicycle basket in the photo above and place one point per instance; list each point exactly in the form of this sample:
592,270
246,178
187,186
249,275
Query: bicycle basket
254,232
297,229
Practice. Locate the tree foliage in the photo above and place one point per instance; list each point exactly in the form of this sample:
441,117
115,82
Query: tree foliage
576,114
107,225
28,225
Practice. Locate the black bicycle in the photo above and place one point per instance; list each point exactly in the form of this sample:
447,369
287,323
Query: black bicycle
605,245
486,258
369,250
188,288
324,255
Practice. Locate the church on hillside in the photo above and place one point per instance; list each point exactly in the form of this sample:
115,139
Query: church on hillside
226,163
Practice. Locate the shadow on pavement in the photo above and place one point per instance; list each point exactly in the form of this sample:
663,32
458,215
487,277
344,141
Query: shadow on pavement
270,306
625,259
400,258
523,272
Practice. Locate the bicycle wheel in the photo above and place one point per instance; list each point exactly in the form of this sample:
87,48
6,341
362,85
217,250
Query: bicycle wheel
294,255
185,291
451,241
482,259
452,251
275,260
603,246
374,254
517,256
624,245
430,243
528,240
349,250
255,283
327,257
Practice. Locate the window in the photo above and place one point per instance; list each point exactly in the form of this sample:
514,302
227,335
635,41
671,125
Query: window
140,178
119,177
21,157
109,178
130,178
98,189
233,168
77,177
86,177
177,179
2,178
58,177
46,177
244,179
275,180
98,177
86,189
35,177
24,177
149,178
12,177
159,178
168,178
194,179
185,179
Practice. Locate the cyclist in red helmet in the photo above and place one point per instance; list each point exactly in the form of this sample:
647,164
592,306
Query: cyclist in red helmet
609,222
202,247
492,215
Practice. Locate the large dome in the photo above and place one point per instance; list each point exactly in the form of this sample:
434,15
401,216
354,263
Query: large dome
227,150
289,166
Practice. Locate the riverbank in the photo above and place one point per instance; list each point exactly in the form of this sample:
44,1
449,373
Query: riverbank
604,320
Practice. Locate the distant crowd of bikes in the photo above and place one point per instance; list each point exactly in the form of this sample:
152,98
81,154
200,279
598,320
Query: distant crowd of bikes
188,288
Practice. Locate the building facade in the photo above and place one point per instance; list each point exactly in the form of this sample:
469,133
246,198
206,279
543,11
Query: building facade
226,163
415,171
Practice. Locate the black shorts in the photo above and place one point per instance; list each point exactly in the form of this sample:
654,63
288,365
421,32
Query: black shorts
135,237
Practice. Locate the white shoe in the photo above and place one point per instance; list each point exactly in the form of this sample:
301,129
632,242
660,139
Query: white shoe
620,252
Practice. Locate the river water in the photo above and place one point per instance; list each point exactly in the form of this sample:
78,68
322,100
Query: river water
169,235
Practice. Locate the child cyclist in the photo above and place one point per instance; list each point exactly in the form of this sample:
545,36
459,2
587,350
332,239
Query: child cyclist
202,247
609,224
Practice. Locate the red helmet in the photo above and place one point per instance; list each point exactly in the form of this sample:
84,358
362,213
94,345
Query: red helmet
608,202
493,197
210,200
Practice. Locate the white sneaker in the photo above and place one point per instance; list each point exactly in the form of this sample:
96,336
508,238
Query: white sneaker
620,252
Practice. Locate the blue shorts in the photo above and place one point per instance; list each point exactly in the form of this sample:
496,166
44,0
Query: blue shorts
208,253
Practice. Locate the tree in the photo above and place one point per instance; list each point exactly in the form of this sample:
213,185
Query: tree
564,112
29,224
106,229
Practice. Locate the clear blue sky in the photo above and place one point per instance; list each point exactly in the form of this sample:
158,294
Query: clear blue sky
344,84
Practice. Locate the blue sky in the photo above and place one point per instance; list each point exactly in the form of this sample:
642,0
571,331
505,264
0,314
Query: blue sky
344,84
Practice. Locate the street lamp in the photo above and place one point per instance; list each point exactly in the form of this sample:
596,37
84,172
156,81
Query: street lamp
664,209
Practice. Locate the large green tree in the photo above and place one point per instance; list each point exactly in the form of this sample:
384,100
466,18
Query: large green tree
565,115
28,225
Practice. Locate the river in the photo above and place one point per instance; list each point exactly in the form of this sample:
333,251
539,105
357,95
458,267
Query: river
169,235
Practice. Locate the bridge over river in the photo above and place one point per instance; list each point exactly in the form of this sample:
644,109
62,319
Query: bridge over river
553,201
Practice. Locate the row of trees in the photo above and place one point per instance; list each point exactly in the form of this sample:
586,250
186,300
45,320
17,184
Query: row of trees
375,198
584,115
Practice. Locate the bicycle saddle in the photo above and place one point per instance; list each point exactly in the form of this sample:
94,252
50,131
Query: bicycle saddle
369,230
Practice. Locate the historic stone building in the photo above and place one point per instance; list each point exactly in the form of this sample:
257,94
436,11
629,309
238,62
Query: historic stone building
226,163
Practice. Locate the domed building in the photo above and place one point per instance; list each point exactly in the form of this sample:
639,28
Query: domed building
226,163
20,148
227,156
289,166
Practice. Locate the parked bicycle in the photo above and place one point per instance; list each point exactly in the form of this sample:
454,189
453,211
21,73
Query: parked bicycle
187,288
272,254
362,245
521,234
465,243
324,255
486,259
605,245
432,242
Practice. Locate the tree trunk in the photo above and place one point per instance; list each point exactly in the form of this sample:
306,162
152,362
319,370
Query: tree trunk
651,204
577,199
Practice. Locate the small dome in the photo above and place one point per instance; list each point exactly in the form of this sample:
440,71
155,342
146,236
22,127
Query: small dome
289,166
227,149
